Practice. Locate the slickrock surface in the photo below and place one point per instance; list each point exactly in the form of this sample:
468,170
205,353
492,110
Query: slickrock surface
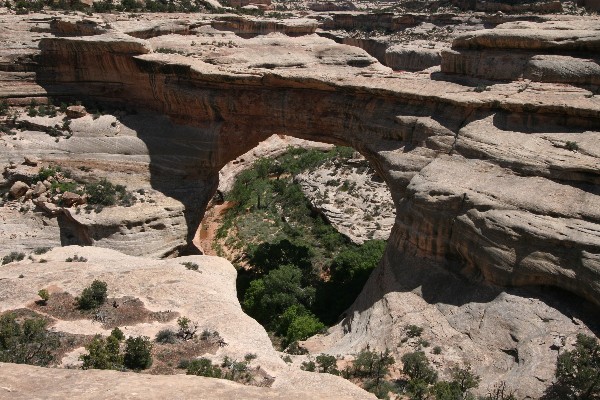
206,296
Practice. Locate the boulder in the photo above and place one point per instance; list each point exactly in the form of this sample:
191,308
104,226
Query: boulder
70,199
39,189
76,112
31,160
18,189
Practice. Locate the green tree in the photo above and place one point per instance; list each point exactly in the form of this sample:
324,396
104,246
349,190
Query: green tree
327,364
578,372
268,256
417,368
92,296
303,327
138,353
271,295
26,341
104,353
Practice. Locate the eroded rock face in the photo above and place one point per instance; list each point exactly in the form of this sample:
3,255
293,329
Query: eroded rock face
556,51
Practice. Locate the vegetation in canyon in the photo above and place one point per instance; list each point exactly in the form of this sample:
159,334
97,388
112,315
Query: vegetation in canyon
297,274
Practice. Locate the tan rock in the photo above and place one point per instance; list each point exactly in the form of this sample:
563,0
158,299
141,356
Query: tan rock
18,189
70,199
76,112
39,189
31,160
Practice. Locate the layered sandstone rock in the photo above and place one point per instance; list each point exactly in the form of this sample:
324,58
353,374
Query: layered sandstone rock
559,52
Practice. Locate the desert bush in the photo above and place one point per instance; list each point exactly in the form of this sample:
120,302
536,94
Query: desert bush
413,331
44,296
327,364
166,336
577,372
92,296
104,193
26,341
76,258
12,257
187,328
104,353
190,265
41,250
138,353
203,367
573,146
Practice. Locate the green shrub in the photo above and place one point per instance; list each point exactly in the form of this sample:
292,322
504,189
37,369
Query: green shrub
187,328
3,107
303,327
92,296
190,265
41,250
138,353
44,295
327,364
12,257
104,353
413,331
166,336
104,193
573,146
309,366
26,341
577,372
203,367
437,350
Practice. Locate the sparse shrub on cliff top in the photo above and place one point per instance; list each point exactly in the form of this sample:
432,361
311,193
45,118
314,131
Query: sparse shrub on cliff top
203,367
104,192
92,296
44,296
166,336
138,353
26,341
187,328
12,257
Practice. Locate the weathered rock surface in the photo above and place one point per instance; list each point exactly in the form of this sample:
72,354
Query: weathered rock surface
206,296
545,52
355,201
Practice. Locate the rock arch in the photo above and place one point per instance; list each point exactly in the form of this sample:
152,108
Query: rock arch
482,182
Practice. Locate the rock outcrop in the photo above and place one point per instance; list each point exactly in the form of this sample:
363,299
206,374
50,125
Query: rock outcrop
558,51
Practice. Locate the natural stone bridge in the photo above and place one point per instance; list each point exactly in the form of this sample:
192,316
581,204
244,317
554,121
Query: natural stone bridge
481,180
